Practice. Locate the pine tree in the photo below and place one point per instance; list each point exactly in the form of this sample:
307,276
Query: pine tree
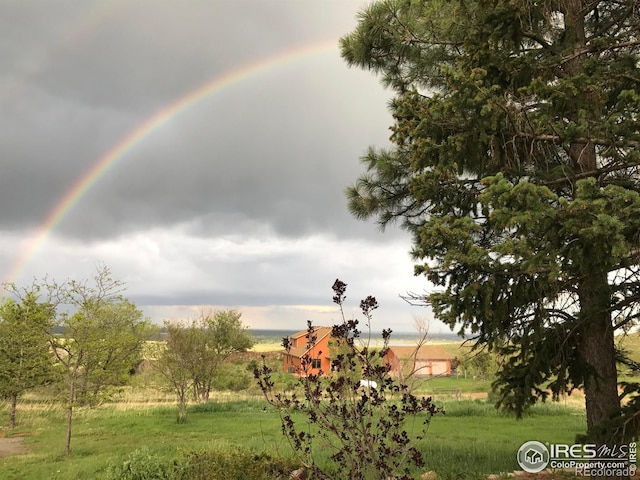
515,165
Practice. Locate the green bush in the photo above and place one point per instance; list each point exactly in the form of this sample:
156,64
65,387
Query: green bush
141,464
207,465
235,465
232,378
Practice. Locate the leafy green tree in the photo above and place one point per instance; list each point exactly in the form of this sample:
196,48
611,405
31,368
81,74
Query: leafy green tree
174,360
102,340
107,358
25,357
478,364
515,165
195,351
219,335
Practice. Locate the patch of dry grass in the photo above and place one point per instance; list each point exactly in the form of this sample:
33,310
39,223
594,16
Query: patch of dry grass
267,347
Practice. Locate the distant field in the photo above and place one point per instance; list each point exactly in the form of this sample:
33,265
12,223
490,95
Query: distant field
267,347
454,348
631,343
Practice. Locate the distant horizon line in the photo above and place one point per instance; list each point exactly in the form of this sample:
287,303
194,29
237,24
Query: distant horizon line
394,332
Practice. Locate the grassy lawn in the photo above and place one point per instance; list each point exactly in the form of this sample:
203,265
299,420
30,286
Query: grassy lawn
473,439
448,384
105,435
469,440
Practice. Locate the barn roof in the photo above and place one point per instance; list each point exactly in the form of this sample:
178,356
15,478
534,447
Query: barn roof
425,352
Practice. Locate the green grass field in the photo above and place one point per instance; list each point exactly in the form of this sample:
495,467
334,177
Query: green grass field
471,439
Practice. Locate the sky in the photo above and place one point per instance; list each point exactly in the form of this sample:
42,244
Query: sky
200,150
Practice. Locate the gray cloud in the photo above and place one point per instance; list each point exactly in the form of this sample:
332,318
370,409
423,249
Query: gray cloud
278,154
279,146
236,200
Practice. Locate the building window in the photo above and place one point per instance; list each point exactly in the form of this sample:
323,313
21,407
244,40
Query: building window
315,363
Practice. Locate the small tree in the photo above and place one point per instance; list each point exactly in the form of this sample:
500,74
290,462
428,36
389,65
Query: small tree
361,423
174,361
194,352
478,364
25,358
220,334
102,341
408,370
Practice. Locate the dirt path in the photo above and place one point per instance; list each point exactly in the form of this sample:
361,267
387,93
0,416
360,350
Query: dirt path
12,446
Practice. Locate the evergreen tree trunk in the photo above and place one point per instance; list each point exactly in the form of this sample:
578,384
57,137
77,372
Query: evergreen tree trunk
598,352
12,411
597,348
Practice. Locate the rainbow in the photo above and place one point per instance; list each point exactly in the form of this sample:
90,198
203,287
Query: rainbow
145,129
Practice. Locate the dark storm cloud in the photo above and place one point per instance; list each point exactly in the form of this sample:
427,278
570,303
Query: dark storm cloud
276,150
133,55
45,144
265,151
237,200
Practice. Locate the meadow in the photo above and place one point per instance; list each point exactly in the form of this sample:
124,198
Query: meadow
471,440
